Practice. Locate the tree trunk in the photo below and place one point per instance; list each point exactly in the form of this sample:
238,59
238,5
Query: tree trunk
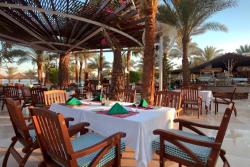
117,80
76,68
47,69
165,70
128,67
80,71
86,73
40,72
64,70
100,77
185,63
148,60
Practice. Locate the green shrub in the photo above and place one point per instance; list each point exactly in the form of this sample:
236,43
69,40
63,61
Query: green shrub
135,76
53,75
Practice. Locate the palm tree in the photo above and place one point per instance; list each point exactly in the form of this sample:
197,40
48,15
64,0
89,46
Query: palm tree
10,72
243,49
189,16
177,52
117,79
8,53
149,10
207,54
94,63
83,57
129,62
76,68
50,60
36,57
30,74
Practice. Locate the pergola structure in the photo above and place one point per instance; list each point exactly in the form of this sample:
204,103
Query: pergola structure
65,26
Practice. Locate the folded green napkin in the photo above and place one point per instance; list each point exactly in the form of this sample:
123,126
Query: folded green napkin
73,101
143,103
117,109
98,98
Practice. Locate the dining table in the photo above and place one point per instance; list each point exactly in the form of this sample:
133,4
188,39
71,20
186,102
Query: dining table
138,126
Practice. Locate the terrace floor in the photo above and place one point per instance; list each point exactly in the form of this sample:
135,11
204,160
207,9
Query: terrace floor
236,142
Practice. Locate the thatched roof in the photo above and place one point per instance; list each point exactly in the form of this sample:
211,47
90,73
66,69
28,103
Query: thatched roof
229,59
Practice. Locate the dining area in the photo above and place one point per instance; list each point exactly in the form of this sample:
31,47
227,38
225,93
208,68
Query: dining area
97,126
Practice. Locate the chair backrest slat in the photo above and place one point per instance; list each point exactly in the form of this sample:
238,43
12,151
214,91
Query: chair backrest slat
17,119
37,96
224,123
54,96
127,95
53,134
11,91
189,93
168,99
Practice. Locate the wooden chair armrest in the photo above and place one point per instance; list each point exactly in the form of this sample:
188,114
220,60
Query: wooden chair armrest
184,123
67,120
81,127
31,126
169,136
110,141
28,118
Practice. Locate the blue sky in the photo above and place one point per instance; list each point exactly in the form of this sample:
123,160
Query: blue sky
238,24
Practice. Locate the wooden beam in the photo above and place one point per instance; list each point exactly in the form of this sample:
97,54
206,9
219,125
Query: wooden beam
25,43
24,27
105,50
72,17
103,5
45,17
106,35
35,17
56,43
85,39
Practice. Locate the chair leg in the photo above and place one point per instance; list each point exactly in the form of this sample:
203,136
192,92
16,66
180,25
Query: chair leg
198,112
161,162
7,154
222,156
235,111
201,108
3,104
25,158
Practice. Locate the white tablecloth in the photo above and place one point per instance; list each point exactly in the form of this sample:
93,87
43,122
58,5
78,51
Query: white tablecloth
138,128
207,96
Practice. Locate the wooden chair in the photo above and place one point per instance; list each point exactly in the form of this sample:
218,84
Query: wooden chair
224,98
174,100
37,96
54,96
169,99
23,133
26,96
160,98
80,92
90,149
190,149
191,98
11,92
1,93
127,95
